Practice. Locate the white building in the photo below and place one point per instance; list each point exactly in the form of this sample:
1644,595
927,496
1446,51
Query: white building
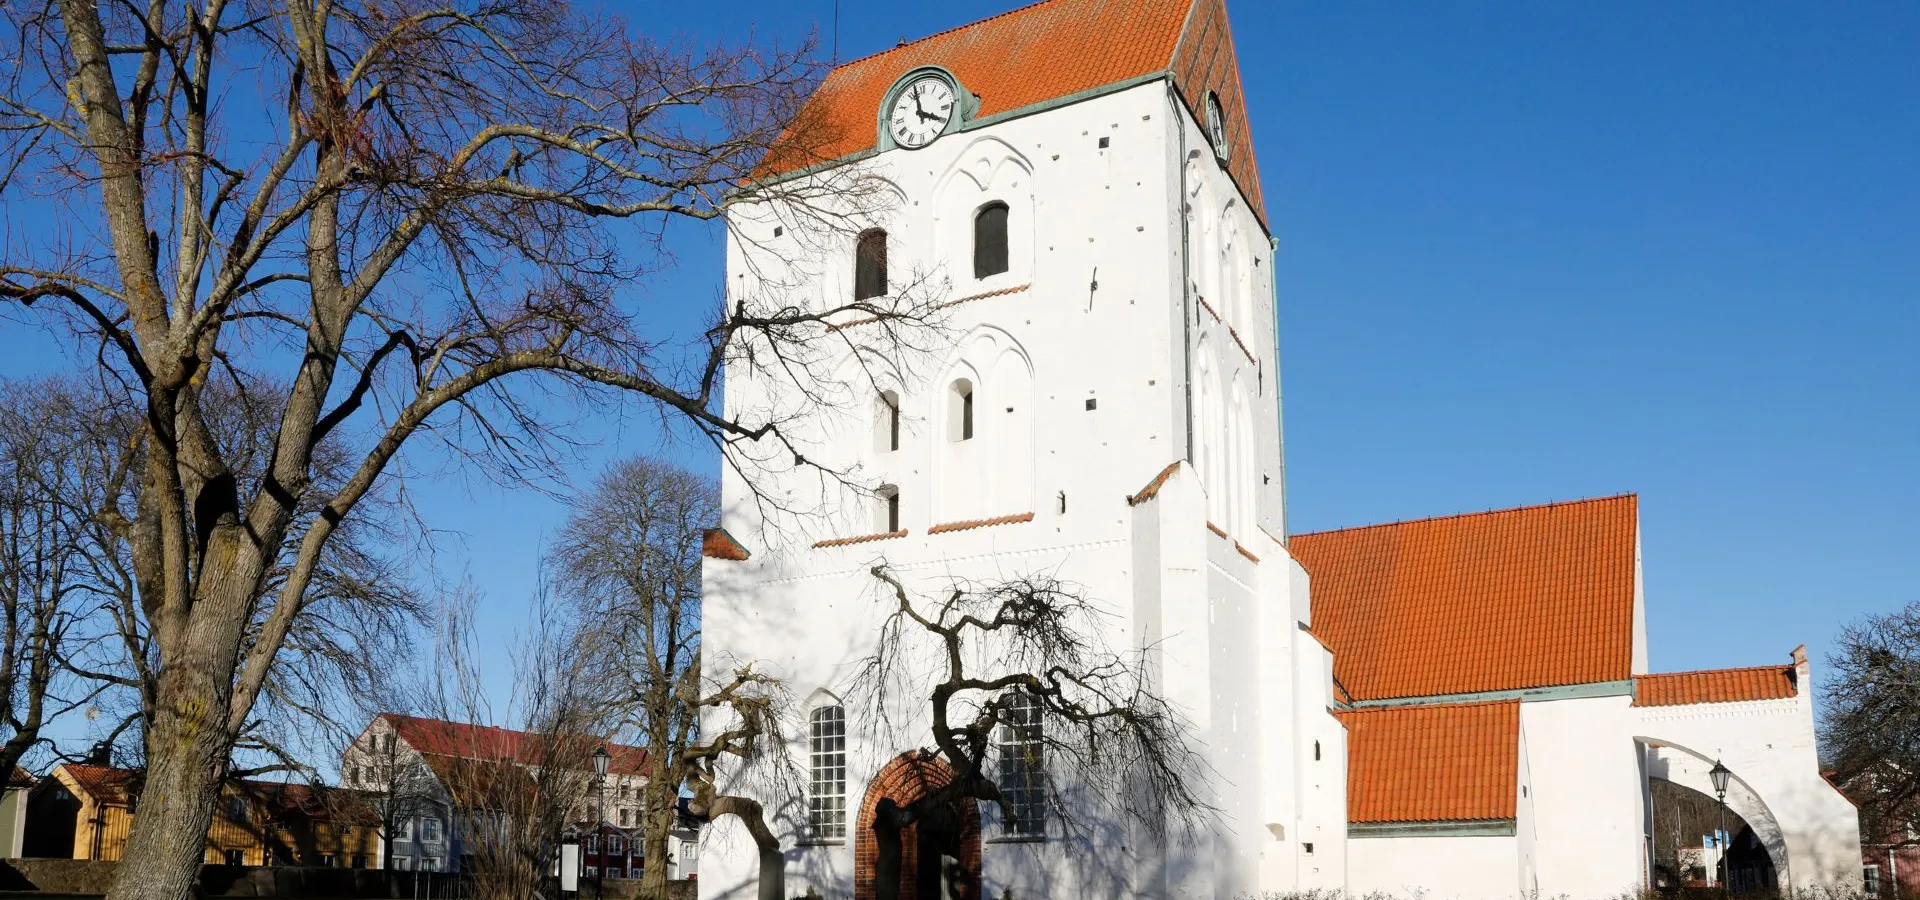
1106,408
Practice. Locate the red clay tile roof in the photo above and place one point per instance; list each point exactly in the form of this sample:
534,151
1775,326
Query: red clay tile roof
945,527
20,778
1032,55
1152,489
1449,762
1715,686
460,739
716,543
1517,598
106,783
859,539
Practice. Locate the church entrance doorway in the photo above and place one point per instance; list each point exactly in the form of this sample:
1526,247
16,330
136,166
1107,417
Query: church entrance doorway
938,851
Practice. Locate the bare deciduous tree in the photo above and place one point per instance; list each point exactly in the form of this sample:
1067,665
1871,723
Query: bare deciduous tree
630,556
395,215
57,579
1870,729
1026,654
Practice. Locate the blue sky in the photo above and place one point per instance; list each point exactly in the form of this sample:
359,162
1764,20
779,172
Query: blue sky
1529,252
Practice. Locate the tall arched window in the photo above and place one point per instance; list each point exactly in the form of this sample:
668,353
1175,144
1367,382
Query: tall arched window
886,509
960,411
827,771
870,265
889,420
990,240
1023,777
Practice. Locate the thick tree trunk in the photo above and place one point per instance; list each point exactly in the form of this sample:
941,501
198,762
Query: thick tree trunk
773,863
187,749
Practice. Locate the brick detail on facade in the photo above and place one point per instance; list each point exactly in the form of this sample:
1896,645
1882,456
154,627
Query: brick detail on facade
907,778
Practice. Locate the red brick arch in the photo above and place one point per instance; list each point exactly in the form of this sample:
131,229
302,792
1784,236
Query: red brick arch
907,778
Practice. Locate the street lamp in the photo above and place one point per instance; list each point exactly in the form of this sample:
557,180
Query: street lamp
600,760
1721,775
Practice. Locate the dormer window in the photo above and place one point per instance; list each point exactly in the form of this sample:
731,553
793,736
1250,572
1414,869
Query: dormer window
870,265
990,240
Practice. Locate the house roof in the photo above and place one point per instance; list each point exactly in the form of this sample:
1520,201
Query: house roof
117,787
1033,55
1446,762
1715,686
465,740
716,543
483,783
105,784
1492,601
20,778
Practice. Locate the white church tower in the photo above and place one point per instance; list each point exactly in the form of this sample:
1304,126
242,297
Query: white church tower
1074,183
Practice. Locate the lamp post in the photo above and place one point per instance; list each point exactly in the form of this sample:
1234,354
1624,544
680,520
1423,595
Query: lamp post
600,760
1720,775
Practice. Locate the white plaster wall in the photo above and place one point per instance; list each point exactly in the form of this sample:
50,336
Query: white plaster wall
808,616
1434,868
1588,795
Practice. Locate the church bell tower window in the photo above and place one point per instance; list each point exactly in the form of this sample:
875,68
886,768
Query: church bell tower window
990,240
960,411
870,265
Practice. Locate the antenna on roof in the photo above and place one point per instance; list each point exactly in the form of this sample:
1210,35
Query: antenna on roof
836,32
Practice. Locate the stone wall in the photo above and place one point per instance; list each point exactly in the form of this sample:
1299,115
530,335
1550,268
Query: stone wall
87,877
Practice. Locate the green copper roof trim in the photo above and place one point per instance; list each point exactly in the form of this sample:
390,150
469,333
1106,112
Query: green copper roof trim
1555,692
1463,828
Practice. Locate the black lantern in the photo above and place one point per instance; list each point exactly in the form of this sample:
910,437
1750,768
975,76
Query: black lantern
1721,775
601,758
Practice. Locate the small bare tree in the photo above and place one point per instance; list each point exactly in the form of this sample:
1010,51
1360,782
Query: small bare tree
630,559
1020,663
1870,728
56,577
629,556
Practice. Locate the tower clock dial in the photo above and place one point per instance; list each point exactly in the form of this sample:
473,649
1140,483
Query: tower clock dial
921,112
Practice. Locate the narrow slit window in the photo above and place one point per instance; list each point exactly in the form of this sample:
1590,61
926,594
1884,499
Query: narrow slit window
990,240
960,411
887,509
870,265
890,420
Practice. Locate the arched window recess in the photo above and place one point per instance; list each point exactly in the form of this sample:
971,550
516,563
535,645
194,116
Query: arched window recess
990,240
870,265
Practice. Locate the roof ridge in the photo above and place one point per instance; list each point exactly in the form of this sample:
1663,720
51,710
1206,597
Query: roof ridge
1772,668
1466,515
962,27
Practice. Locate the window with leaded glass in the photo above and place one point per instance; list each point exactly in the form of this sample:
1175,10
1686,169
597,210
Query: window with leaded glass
1023,777
827,784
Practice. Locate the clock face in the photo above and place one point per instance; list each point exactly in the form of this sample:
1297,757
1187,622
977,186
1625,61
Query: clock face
921,112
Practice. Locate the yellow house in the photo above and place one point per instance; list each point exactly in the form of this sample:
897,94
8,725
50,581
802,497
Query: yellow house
85,812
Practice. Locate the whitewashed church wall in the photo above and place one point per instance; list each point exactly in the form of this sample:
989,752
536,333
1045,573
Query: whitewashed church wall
1097,216
1526,842
1588,800
1433,868
1319,843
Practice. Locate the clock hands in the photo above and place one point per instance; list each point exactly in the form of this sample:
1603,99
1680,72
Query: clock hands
921,111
